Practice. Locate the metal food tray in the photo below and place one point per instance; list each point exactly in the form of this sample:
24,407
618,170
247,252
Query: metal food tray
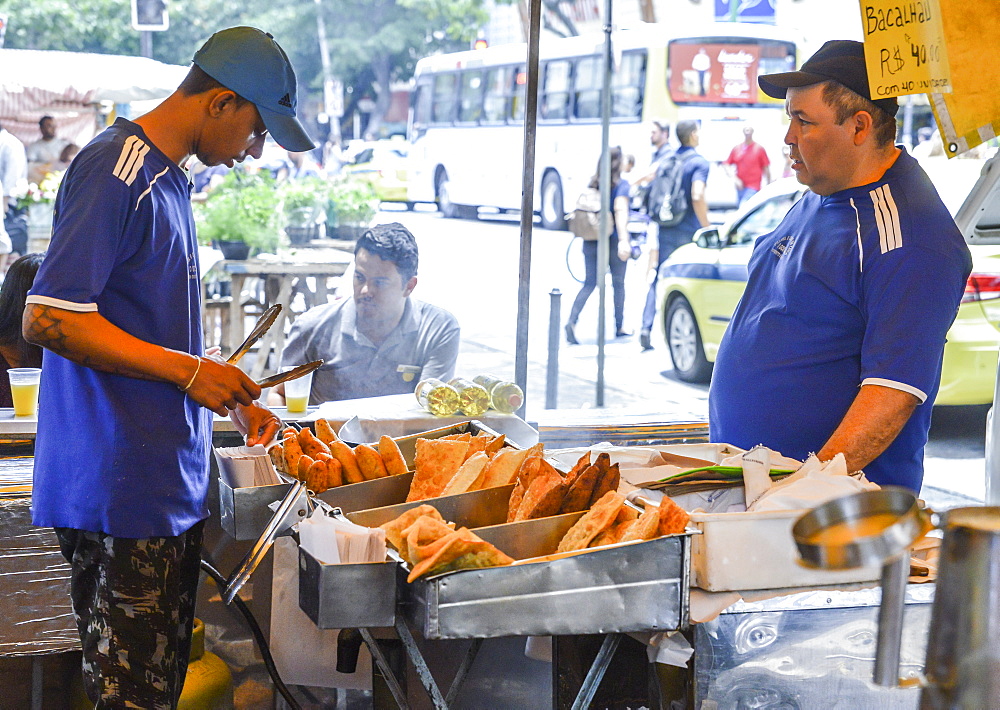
245,512
394,489
472,509
347,595
641,586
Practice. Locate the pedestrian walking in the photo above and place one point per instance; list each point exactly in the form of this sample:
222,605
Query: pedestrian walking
619,251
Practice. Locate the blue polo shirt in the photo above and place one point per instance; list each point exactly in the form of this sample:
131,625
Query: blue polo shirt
116,454
859,287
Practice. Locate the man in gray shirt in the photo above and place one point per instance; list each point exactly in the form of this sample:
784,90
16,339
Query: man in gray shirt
381,341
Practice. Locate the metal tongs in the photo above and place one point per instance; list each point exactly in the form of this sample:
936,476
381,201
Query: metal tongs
263,324
293,374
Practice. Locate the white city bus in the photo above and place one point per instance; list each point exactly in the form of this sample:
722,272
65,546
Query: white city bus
467,117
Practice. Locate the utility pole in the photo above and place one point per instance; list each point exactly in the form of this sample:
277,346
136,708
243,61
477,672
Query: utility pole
333,102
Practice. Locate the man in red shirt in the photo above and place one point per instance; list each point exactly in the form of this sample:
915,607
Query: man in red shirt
752,164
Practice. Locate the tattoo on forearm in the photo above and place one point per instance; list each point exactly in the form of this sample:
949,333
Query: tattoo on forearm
46,329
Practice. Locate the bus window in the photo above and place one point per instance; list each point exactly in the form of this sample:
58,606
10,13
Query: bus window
517,99
422,106
587,88
626,86
443,103
554,103
471,102
498,84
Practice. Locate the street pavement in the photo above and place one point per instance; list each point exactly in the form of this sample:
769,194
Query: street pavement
471,267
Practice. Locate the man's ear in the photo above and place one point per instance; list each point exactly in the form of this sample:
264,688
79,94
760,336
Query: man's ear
223,100
862,125
410,285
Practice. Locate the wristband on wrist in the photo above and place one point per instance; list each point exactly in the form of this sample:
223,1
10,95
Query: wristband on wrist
197,369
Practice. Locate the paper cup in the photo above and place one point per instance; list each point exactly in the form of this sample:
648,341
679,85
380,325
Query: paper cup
24,390
297,392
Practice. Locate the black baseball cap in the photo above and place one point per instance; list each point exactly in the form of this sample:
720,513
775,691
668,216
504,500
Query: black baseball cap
839,60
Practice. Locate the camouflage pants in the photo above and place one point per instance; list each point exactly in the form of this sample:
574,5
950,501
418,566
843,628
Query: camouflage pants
134,605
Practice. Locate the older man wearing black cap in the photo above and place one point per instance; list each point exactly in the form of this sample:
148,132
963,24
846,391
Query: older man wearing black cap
124,418
836,345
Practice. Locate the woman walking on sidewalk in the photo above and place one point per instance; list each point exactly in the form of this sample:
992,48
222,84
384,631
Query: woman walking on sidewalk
619,251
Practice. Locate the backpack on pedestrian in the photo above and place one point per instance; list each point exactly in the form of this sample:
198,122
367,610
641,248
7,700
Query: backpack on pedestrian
666,203
585,220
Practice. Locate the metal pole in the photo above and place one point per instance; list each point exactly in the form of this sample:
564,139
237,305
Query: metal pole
328,82
527,200
146,43
890,620
552,369
603,255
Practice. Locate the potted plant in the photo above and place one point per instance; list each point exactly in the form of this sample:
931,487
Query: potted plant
241,215
352,206
304,208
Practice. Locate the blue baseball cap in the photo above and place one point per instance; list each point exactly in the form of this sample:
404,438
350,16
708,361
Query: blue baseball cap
248,61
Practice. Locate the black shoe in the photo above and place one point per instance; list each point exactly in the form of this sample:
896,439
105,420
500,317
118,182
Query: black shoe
622,333
570,335
644,340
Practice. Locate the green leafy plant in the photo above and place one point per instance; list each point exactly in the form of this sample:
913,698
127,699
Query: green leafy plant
352,202
244,207
304,201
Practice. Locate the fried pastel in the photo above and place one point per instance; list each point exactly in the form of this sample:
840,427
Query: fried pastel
467,474
462,549
503,467
673,518
370,462
422,538
325,432
600,517
495,444
608,482
435,463
477,443
394,528
392,457
612,535
582,464
645,527
348,462
581,490
465,436
544,493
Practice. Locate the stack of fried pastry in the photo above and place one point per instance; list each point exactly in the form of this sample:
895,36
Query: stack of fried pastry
432,546
462,462
543,490
323,461
610,521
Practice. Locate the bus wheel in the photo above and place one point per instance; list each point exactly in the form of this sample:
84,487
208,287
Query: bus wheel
552,213
445,206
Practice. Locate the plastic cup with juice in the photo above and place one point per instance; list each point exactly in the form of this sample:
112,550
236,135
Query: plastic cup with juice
297,392
24,390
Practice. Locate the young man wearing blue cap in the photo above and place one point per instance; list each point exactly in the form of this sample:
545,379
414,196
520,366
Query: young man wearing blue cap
836,345
124,417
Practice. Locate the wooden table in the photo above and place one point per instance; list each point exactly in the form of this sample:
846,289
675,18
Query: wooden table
282,280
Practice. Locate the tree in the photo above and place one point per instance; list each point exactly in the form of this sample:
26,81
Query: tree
372,42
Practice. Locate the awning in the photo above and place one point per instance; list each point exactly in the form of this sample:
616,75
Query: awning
67,85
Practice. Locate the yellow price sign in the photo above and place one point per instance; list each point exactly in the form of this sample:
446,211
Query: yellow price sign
904,47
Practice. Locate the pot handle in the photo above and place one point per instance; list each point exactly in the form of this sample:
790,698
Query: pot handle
890,620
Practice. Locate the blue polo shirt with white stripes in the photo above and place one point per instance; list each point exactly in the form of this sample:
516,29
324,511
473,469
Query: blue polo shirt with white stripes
858,287
116,454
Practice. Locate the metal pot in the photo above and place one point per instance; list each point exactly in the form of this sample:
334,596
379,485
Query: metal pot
962,668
